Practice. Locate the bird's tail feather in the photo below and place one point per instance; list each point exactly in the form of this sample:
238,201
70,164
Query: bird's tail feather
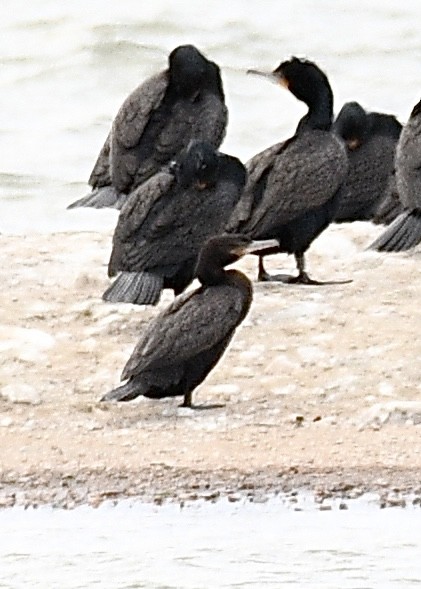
403,234
126,392
107,196
138,288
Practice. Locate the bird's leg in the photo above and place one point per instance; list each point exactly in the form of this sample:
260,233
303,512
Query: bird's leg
187,401
304,278
262,275
301,278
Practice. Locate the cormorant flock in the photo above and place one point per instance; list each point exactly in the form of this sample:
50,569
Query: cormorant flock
187,210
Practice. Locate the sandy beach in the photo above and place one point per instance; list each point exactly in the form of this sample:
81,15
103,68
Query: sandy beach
321,385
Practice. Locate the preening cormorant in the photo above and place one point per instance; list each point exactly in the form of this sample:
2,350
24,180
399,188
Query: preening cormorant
293,187
371,140
165,221
157,120
184,342
405,231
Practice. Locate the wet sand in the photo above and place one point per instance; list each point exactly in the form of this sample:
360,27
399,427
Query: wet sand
321,385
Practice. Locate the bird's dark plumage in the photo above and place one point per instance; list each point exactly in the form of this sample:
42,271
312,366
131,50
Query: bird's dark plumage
405,231
185,341
371,140
390,207
293,187
156,121
165,221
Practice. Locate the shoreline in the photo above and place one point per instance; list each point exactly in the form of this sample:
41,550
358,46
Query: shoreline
94,488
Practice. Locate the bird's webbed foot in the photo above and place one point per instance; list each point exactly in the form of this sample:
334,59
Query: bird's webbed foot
187,402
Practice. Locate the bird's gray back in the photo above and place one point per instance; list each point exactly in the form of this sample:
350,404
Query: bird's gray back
152,127
173,229
194,322
144,201
128,127
370,168
305,174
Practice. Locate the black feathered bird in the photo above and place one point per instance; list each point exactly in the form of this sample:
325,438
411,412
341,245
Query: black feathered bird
157,120
293,187
184,342
164,223
405,231
371,140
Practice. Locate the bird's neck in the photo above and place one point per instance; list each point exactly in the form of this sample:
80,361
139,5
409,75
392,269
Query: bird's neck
211,275
320,111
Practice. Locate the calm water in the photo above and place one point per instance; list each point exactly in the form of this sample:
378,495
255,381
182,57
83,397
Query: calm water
202,546
67,66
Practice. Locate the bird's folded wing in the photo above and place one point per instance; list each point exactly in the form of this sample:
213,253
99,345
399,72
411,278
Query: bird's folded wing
194,322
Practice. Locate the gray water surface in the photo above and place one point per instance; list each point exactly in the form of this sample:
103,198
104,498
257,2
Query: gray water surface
245,545
66,67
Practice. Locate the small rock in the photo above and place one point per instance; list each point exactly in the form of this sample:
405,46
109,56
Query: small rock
233,498
325,508
396,412
21,393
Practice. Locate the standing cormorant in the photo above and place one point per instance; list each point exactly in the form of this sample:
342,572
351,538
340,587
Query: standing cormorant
185,341
405,231
164,223
294,187
371,140
157,120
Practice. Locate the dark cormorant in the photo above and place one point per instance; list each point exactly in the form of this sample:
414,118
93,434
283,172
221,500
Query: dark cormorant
164,223
157,120
293,187
371,140
405,231
185,341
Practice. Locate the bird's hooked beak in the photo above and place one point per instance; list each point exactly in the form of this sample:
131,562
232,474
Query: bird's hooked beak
259,245
274,77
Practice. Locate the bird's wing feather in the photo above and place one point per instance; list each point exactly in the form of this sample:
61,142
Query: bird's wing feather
133,116
194,322
176,226
142,204
256,168
306,174
100,175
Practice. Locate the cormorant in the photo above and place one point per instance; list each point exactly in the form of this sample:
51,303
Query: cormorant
184,342
371,140
405,231
165,221
157,120
294,187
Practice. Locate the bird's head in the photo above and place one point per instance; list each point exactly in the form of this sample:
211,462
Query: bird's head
300,76
196,166
188,69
